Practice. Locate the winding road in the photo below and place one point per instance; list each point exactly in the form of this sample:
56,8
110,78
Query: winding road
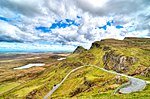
133,85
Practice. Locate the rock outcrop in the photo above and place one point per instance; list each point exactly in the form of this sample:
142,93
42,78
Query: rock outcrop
146,72
96,45
80,49
31,94
118,63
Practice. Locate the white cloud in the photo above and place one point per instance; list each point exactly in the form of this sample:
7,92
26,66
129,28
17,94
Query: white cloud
112,7
134,15
11,33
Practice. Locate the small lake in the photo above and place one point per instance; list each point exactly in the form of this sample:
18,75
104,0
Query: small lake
30,65
61,59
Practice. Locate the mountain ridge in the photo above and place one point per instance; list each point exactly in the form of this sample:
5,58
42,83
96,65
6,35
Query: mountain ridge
130,56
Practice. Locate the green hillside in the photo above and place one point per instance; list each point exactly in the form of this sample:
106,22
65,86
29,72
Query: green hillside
130,56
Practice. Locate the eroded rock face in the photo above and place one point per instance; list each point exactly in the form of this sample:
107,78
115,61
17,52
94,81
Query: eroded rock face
106,48
118,63
146,72
31,94
96,45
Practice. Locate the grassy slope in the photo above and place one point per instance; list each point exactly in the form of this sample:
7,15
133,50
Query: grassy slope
77,79
55,73
7,86
142,55
137,95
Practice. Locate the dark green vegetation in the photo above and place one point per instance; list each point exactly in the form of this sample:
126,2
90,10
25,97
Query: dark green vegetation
130,56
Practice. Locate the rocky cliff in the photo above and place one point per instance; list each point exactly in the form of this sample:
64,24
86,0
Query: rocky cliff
118,63
131,55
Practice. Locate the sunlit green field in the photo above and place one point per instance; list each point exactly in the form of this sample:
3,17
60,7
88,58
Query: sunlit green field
85,83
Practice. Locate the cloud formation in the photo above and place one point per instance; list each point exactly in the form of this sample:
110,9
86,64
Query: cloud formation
10,33
72,22
115,7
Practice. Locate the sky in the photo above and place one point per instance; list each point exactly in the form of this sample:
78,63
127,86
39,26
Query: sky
62,25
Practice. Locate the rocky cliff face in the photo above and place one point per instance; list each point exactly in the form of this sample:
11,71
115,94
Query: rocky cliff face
118,63
130,55
146,72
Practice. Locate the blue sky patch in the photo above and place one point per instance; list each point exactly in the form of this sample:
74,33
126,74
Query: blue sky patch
11,20
44,29
103,27
110,23
119,27
78,17
5,19
58,24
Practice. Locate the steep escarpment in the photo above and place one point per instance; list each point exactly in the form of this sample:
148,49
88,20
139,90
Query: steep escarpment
130,56
116,62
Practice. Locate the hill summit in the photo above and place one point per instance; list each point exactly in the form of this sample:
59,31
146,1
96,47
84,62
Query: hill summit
79,49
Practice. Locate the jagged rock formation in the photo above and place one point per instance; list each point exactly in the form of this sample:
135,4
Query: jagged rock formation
146,72
118,63
96,45
119,56
80,49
